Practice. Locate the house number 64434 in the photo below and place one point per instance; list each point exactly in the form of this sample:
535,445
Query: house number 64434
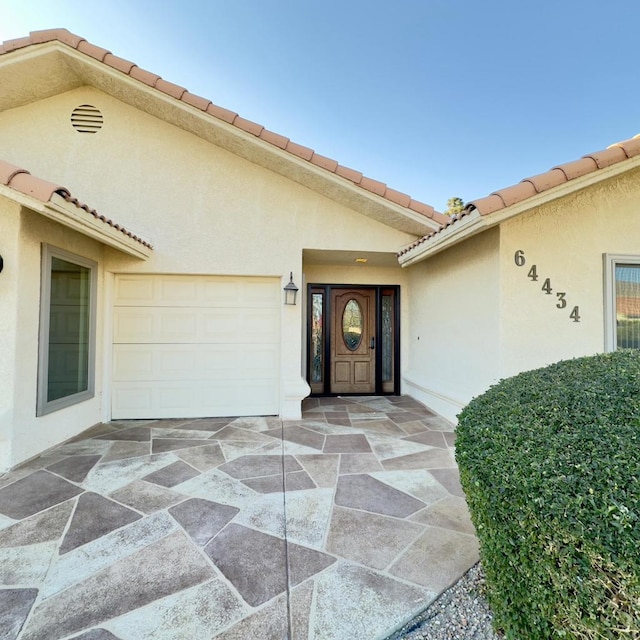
532,274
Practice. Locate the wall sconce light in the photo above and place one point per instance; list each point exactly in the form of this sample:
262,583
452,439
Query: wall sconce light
290,291
1,264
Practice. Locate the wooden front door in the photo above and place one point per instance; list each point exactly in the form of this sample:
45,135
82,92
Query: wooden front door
353,361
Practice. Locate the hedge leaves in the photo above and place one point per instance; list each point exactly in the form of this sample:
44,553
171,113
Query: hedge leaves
550,464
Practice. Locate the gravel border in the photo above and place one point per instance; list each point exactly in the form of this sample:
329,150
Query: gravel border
460,613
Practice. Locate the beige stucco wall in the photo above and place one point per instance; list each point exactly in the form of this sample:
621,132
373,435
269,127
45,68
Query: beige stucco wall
9,240
479,318
566,240
205,210
454,324
19,425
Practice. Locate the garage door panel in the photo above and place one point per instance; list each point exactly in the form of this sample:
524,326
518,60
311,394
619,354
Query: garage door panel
260,323
177,326
156,362
132,325
195,325
241,325
177,291
261,360
132,401
197,291
195,400
196,346
133,362
239,361
222,293
134,290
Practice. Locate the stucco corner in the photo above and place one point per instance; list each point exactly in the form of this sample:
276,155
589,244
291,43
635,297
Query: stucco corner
294,391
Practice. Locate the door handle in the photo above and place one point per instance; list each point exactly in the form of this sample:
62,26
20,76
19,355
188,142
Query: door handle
372,344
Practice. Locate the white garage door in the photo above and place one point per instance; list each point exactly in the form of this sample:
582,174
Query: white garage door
195,346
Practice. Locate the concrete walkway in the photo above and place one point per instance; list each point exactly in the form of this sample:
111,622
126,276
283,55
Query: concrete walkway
342,525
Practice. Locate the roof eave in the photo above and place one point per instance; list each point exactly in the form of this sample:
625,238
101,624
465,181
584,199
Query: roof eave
307,169
472,224
67,214
475,223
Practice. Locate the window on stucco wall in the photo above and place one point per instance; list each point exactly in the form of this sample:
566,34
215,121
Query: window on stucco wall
622,302
67,330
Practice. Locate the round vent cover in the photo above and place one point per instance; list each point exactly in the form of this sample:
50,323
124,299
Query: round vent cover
86,119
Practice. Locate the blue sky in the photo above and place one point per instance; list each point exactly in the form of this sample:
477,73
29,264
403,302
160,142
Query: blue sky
437,98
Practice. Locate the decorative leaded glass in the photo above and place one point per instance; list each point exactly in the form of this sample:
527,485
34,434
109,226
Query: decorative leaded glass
352,325
387,338
316,337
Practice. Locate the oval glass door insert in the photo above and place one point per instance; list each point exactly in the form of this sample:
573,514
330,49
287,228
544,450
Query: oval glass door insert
352,325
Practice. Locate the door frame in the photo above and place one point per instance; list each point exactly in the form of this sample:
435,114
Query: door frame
327,326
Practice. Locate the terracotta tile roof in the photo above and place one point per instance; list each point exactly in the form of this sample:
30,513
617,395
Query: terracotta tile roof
529,187
21,180
180,93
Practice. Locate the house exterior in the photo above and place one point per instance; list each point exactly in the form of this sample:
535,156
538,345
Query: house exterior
164,296
542,271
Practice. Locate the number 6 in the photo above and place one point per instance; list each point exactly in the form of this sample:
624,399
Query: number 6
518,258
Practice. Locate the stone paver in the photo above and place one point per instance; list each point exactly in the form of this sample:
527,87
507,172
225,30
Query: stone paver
15,605
341,525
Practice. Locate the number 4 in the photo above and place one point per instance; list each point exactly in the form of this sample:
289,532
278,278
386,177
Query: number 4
575,314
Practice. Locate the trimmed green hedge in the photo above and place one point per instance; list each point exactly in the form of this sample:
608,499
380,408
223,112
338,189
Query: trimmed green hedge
550,464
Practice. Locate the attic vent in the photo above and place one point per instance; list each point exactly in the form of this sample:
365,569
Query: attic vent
86,119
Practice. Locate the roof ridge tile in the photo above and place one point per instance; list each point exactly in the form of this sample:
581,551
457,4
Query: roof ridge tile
516,192
63,35
349,174
299,150
248,125
118,63
138,73
274,138
577,168
196,101
547,180
324,162
8,171
171,89
631,147
221,113
375,186
398,197
16,43
607,157
92,50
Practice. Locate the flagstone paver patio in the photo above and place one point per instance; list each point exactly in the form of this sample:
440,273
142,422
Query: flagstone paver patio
341,525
